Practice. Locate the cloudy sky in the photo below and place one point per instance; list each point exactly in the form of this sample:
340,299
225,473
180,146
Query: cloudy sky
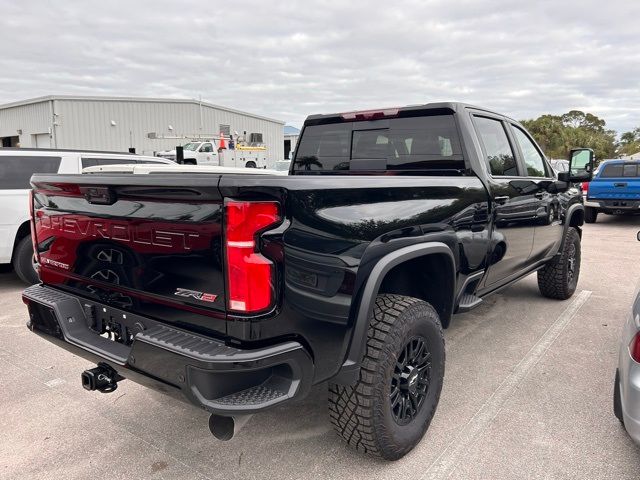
286,59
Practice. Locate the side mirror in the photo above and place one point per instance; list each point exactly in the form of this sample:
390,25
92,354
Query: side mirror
581,165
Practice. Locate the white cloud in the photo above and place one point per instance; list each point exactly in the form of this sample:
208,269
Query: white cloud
291,59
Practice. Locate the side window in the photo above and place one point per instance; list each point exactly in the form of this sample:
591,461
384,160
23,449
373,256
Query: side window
89,162
532,158
207,148
15,171
630,170
92,162
613,170
496,146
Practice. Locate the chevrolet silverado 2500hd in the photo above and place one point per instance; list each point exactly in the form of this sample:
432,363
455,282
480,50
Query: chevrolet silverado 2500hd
239,292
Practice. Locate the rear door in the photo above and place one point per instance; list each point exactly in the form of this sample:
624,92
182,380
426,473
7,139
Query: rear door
550,208
513,203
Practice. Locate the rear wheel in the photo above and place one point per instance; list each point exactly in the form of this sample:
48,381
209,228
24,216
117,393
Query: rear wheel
590,214
23,262
559,277
387,412
250,165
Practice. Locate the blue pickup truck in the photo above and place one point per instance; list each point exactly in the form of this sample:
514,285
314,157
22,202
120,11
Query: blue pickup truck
614,189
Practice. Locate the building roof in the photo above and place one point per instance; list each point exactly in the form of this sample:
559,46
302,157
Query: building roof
48,98
633,156
289,130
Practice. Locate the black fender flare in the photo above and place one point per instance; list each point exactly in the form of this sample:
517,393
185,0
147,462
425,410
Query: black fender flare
349,371
571,211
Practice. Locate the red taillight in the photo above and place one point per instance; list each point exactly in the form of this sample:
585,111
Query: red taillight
584,186
370,114
250,276
634,348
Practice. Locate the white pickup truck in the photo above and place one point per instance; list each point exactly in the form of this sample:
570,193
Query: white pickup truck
16,167
206,153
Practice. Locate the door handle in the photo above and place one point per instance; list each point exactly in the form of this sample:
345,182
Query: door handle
501,200
539,195
621,184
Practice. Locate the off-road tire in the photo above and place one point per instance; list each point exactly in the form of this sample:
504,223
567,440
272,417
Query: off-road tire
23,261
590,214
617,401
362,414
558,279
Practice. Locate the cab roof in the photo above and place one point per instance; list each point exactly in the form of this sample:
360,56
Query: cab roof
435,108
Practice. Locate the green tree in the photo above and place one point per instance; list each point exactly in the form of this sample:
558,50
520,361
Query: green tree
558,134
629,142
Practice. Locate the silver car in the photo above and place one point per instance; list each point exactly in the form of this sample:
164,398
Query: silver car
626,392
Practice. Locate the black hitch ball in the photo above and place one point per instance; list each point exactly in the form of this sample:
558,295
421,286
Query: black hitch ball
102,378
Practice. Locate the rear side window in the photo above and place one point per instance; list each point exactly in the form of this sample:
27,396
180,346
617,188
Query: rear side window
398,144
153,162
15,171
497,148
618,170
92,162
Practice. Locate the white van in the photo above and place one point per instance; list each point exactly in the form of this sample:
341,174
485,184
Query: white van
16,167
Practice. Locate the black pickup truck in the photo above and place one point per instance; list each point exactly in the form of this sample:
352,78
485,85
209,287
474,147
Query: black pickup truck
239,291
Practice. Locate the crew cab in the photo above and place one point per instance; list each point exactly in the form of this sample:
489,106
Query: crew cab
238,291
614,189
16,167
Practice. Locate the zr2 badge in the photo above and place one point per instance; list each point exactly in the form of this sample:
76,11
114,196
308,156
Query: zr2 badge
203,297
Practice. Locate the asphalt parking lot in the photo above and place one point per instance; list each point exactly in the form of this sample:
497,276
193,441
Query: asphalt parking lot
527,394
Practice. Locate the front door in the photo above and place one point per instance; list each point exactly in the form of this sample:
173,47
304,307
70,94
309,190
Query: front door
514,205
206,154
550,205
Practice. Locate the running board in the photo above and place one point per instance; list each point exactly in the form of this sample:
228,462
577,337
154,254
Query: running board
468,301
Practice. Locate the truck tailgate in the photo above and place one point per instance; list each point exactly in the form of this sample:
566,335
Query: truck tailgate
623,188
142,243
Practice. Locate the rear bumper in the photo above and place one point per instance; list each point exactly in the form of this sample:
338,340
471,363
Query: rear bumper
614,206
222,379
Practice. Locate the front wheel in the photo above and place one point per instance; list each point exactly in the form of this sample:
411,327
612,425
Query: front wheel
559,277
590,214
387,412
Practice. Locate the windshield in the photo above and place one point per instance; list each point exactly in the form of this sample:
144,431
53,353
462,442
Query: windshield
191,146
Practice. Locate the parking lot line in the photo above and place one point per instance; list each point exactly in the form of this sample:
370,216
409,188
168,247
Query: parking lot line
446,462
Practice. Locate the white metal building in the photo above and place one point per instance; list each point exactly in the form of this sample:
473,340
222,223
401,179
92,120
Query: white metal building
119,123
291,135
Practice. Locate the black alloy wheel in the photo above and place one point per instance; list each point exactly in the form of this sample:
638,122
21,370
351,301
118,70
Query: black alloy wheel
410,381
